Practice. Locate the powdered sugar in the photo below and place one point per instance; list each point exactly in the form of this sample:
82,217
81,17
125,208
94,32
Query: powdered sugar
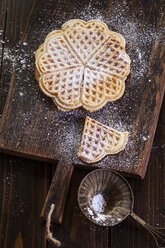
99,218
98,203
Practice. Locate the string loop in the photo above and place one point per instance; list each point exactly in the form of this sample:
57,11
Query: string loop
49,233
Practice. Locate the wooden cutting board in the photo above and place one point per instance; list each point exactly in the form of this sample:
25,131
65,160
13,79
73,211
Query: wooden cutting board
31,126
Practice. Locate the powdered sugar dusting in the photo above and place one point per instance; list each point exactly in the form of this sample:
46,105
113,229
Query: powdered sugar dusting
138,35
99,218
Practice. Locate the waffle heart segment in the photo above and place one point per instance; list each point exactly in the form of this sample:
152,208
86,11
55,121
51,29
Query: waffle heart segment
86,38
99,88
99,140
63,86
84,64
111,59
57,55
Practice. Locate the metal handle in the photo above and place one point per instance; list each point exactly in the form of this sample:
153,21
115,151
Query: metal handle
153,230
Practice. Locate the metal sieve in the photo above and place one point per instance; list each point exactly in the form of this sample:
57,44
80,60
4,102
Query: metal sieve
106,198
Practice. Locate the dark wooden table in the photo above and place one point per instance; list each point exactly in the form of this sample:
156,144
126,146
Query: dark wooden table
24,183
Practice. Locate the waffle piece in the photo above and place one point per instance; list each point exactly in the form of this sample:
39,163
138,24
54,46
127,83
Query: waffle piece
99,140
90,51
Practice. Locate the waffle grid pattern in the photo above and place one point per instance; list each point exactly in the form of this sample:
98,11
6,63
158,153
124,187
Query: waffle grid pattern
99,140
94,54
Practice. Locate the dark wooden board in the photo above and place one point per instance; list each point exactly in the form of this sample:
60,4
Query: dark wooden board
24,185
14,20
31,125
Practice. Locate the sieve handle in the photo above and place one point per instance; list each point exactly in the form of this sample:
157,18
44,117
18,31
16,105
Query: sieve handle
155,231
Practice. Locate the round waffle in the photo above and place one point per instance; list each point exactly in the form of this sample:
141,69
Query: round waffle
84,64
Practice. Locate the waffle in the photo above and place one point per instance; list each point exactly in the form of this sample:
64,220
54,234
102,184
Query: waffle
84,64
98,88
99,140
63,87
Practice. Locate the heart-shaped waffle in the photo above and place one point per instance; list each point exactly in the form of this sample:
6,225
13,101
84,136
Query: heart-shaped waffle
84,64
99,140
66,84
85,38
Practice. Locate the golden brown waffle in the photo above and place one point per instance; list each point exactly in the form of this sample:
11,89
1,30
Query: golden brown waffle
99,140
63,86
98,88
84,64
85,37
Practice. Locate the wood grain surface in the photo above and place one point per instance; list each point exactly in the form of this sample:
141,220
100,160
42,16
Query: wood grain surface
58,192
24,183
31,125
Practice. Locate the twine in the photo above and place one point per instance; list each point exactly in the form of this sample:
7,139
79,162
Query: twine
49,233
